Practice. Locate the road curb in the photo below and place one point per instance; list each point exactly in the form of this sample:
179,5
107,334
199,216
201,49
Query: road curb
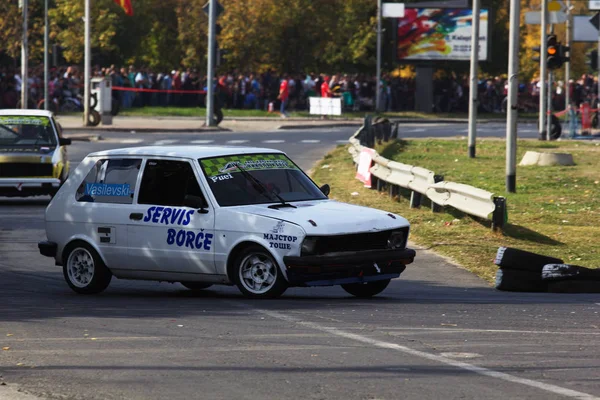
142,130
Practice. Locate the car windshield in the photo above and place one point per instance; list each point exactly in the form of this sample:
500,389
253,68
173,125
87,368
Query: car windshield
25,131
262,178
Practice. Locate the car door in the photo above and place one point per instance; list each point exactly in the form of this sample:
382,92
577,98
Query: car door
164,235
102,206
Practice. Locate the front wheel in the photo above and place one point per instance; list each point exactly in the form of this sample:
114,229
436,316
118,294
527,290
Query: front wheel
366,289
257,275
84,270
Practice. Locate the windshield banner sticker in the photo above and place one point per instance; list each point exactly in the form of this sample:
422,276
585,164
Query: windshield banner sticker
22,120
107,189
224,165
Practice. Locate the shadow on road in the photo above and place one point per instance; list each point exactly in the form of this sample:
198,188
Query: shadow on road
26,296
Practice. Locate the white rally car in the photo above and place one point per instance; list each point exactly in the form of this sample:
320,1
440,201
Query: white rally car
33,153
216,215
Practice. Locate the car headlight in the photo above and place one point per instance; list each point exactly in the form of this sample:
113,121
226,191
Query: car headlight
309,244
396,240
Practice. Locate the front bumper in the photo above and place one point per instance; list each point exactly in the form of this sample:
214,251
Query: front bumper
27,186
47,248
347,267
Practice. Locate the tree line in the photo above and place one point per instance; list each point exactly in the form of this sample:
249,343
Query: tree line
290,36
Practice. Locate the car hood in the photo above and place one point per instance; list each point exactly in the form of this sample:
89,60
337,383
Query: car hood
10,154
331,217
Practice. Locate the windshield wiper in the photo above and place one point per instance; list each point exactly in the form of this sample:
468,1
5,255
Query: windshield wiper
263,188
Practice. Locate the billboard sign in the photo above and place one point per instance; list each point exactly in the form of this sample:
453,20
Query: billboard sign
439,34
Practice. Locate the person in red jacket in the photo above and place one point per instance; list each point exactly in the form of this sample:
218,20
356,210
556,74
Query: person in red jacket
325,91
284,94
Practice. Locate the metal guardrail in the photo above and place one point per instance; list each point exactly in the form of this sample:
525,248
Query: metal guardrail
468,199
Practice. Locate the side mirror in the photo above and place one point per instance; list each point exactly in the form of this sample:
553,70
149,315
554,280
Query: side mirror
64,141
325,189
196,202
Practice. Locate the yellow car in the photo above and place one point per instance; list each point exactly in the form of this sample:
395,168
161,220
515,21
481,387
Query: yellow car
33,153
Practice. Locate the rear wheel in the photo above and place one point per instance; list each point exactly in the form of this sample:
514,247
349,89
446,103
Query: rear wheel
366,289
84,270
257,275
196,285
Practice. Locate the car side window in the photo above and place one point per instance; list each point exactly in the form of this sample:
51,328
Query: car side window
167,182
110,181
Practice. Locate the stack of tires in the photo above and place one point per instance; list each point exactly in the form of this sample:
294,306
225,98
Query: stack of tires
566,278
522,271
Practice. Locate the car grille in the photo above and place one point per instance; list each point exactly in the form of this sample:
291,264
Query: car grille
24,170
356,242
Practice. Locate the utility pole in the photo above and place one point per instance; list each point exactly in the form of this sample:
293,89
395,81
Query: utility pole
473,92
46,77
549,99
568,25
543,70
593,106
210,72
513,88
378,74
24,60
87,60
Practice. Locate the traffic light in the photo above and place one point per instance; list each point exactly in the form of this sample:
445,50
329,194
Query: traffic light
593,60
553,53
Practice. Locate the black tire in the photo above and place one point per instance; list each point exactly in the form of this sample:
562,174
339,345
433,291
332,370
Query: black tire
574,287
196,285
510,258
81,253
561,272
511,280
366,289
94,118
93,100
265,263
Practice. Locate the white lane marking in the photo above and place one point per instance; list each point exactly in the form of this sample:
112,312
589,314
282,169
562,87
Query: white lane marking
237,141
342,141
274,141
548,387
460,355
458,330
71,339
527,130
166,141
203,141
311,141
122,141
414,130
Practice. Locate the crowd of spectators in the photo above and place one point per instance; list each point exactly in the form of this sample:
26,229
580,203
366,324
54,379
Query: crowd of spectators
237,90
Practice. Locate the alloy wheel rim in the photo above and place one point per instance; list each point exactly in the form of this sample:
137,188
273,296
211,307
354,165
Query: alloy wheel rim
80,267
258,273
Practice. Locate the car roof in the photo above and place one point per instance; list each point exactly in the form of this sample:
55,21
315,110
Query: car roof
192,152
26,113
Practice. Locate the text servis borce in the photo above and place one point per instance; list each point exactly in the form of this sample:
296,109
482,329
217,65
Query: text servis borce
179,237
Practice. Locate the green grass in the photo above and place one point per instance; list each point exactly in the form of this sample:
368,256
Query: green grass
200,112
555,211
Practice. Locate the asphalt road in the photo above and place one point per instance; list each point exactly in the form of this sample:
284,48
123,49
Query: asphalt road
437,332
